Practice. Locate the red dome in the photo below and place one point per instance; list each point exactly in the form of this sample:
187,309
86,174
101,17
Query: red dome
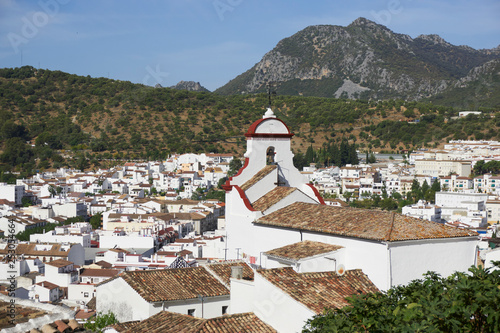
252,131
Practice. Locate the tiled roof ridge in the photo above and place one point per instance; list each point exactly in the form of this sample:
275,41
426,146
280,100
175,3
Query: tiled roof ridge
225,276
211,272
258,176
358,223
273,197
393,216
166,321
171,284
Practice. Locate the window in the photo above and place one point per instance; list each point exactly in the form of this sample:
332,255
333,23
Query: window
85,294
224,309
191,312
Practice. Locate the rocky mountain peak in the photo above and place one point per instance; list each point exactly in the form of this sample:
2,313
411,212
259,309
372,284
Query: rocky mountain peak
435,39
190,86
363,60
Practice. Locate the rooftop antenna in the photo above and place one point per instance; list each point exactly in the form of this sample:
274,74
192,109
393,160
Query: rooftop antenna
270,92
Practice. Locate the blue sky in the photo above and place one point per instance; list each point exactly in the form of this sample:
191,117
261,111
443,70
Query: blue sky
210,41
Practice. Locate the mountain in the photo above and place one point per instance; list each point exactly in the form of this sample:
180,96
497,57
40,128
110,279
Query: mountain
367,60
53,119
189,86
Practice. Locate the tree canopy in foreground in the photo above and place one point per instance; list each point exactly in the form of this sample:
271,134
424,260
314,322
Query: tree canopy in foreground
462,302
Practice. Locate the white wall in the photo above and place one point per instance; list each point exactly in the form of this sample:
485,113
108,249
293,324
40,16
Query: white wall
84,240
212,306
278,309
118,297
76,292
493,255
242,296
411,259
108,242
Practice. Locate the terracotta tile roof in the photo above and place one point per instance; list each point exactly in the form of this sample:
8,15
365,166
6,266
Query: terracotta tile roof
319,290
273,197
82,314
30,250
167,322
173,284
258,176
170,322
59,263
104,264
122,327
241,322
47,285
302,250
223,270
359,223
99,272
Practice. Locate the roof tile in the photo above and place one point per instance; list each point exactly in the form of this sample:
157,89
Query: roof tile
302,250
359,223
319,290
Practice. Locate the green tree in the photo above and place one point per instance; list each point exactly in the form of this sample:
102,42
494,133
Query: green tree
26,201
462,302
95,221
234,166
101,321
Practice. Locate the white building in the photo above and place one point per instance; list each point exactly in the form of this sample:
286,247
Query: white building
70,209
74,233
60,272
12,193
140,294
423,210
20,223
441,168
285,299
48,252
269,205
493,209
466,208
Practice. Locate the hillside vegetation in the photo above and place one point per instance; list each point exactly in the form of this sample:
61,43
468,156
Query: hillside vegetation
366,60
50,119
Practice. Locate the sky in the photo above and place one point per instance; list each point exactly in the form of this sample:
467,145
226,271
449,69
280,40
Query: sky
207,41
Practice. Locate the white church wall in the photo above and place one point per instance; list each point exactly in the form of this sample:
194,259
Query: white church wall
411,259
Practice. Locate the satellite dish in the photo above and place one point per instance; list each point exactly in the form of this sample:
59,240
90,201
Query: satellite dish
340,270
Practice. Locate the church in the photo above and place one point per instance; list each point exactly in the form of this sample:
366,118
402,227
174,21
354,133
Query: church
275,218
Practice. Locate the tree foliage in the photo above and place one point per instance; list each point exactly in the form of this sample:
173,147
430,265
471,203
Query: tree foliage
482,167
95,221
462,302
101,321
51,119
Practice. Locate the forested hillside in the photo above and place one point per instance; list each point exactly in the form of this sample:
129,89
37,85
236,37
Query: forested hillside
50,119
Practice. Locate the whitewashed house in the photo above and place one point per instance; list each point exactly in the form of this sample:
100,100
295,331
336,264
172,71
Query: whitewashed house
285,299
60,272
423,210
12,193
138,295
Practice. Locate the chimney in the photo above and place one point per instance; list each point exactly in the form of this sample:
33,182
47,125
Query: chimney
237,272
